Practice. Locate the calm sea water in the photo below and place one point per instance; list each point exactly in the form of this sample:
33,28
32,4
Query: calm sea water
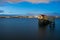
27,29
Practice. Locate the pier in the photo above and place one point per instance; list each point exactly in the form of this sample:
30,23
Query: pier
44,21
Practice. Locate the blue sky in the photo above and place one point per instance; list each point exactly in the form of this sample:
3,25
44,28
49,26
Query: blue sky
30,8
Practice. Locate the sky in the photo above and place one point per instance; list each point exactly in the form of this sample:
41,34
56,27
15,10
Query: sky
30,7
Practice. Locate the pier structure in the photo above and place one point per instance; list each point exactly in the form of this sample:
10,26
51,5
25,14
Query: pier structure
46,20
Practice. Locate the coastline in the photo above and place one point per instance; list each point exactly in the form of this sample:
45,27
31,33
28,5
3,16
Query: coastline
27,17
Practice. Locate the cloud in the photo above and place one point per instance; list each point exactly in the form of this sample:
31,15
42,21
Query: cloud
13,1
2,1
33,1
1,11
55,0
38,1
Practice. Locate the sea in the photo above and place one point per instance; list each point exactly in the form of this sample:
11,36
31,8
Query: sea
27,29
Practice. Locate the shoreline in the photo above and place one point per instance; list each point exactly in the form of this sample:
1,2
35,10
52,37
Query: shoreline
28,17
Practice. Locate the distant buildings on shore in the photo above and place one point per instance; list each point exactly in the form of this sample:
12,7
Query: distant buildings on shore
18,16
25,16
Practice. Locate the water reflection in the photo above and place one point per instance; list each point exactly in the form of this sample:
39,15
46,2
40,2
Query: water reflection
52,31
52,26
43,33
